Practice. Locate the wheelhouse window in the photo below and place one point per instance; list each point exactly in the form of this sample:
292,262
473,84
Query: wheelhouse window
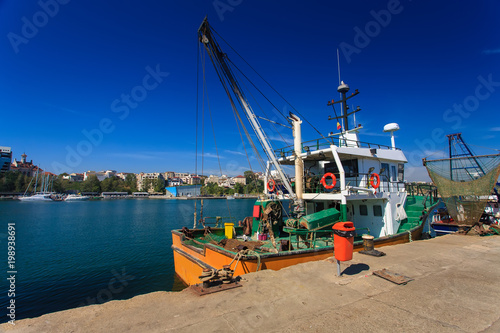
377,210
350,167
363,210
384,171
394,175
401,172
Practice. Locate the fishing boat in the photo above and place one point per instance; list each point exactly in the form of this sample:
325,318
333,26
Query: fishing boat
466,184
442,223
493,204
337,178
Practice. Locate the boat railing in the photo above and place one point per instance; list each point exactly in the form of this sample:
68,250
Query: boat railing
322,143
216,221
312,236
414,189
312,184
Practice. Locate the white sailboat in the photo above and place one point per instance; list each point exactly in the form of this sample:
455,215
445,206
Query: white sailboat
44,195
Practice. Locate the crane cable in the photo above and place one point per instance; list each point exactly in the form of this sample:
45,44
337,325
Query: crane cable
286,101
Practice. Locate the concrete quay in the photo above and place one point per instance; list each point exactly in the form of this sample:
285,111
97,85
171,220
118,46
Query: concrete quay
455,289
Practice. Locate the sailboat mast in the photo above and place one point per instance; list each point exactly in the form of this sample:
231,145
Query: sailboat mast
36,180
42,187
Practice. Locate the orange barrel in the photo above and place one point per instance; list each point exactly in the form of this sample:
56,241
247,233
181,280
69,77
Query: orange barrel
343,240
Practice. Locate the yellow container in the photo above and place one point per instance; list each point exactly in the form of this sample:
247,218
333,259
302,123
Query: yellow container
229,230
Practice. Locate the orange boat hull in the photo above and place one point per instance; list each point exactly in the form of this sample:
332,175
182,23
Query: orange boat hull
190,261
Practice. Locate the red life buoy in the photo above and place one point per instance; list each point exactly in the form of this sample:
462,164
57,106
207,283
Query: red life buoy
374,176
323,180
271,181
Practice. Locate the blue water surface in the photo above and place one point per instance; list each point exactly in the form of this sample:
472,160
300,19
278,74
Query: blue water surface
71,254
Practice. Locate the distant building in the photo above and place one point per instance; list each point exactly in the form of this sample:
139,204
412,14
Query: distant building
141,177
225,181
107,195
212,179
169,174
101,175
194,180
240,179
5,158
123,175
24,167
74,177
260,175
174,182
191,179
181,174
184,191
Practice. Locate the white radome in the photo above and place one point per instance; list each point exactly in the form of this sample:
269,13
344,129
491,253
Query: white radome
392,127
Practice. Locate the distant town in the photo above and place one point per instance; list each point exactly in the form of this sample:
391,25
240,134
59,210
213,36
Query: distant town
16,177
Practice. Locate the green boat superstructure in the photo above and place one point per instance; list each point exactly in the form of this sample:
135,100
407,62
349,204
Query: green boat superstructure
302,240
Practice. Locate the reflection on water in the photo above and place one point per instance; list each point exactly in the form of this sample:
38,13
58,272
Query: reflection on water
178,284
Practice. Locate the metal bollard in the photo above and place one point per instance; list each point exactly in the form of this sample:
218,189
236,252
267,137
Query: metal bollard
368,242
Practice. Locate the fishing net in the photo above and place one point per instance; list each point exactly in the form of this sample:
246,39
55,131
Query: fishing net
465,184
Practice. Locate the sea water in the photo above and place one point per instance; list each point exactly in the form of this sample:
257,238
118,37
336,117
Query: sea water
71,254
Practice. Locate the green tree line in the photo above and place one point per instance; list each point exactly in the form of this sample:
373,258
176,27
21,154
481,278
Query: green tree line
15,181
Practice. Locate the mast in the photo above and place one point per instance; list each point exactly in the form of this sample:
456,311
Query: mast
456,142
343,88
220,64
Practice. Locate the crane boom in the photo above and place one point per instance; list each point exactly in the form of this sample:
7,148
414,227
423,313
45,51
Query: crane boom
220,63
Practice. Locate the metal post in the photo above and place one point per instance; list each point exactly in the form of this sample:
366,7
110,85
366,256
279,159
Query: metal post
299,164
338,268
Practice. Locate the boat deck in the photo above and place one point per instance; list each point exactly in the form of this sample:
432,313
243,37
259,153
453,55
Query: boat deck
298,240
301,239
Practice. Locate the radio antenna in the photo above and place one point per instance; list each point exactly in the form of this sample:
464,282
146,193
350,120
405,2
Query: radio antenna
338,64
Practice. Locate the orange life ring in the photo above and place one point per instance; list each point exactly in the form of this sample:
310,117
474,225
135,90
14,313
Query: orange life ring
271,181
374,176
323,180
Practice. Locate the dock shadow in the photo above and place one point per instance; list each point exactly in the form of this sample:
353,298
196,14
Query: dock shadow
355,269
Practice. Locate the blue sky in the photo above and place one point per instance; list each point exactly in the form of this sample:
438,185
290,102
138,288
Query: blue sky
68,66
